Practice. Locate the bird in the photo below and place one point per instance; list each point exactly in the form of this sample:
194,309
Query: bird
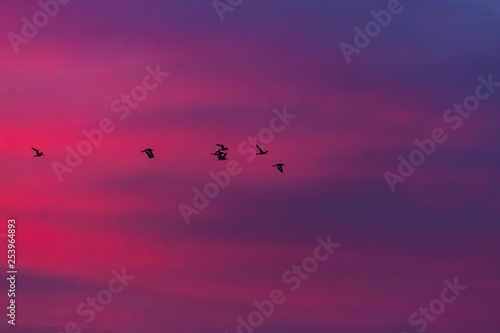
279,166
220,155
222,147
261,152
38,153
149,152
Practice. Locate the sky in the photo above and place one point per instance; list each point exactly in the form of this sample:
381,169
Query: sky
381,161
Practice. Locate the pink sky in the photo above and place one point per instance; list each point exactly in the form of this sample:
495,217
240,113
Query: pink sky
119,209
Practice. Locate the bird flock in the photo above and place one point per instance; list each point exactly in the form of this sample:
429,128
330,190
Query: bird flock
220,153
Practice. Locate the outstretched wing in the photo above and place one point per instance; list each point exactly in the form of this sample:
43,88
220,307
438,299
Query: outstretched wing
36,150
260,149
218,144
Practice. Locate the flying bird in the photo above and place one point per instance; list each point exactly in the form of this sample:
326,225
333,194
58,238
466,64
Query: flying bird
149,152
38,153
221,147
220,155
261,152
279,166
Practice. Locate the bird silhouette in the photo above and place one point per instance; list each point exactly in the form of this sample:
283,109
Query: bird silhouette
38,153
149,152
261,152
222,147
279,166
220,155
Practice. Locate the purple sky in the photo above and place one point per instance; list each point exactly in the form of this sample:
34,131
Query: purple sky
227,80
